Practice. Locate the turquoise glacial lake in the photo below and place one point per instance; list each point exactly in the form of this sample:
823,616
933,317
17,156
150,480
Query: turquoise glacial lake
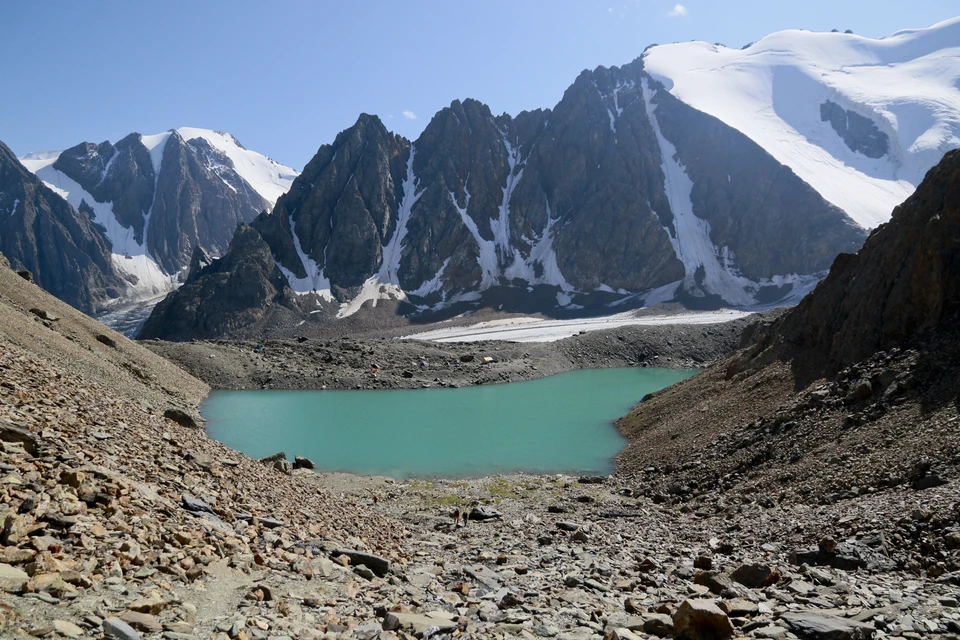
560,424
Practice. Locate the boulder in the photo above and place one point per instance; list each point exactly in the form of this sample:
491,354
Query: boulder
818,626
186,419
10,433
43,314
276,457
142,621
755,576
419,624
299,462
67,629
117,628
380,566
701,620
484,514
658,624
844,557
718,583
103,338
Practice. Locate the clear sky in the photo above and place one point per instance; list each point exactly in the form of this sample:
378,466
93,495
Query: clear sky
286,76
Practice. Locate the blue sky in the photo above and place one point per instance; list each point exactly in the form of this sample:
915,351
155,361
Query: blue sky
286,76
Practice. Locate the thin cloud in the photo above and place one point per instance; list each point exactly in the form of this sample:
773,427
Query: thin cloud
678,11
409,115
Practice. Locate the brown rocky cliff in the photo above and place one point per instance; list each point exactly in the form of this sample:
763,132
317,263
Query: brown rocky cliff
905,279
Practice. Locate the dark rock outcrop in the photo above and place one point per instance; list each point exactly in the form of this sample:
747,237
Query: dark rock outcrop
122,174
40,232
343,208
228,294
858,132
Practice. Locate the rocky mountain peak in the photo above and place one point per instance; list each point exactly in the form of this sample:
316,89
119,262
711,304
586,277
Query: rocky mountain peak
41,233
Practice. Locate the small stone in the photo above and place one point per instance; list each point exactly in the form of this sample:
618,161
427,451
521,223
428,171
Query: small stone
68,629
117,628
142,621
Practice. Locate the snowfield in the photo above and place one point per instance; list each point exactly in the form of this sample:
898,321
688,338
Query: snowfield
524,329
270,178
907,84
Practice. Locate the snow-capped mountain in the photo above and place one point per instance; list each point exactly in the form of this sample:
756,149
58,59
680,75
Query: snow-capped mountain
622,194
861,120
156,197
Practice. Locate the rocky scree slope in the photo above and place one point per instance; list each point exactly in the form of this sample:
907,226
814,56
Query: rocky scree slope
620,194
62,249
115,505
155,198
853,391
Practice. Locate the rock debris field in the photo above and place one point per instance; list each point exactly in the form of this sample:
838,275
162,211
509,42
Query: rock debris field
119,522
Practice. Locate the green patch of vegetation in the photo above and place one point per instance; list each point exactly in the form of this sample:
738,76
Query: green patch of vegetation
449,500
420,484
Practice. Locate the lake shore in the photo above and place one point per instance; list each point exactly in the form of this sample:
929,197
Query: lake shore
388,363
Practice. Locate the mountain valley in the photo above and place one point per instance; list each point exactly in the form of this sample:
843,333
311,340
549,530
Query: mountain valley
784,218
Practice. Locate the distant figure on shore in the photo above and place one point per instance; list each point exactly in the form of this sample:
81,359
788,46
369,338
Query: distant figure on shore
456,517
376,500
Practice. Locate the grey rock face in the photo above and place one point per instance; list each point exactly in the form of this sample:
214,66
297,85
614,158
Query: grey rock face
199,201
859,133
345,206
772,221
121,173
62,249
